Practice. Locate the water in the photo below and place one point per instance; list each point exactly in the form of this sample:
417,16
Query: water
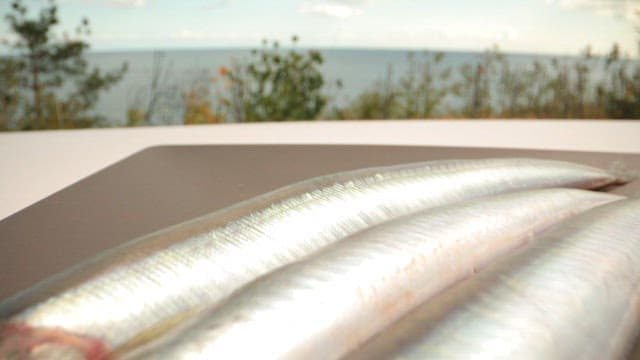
357,69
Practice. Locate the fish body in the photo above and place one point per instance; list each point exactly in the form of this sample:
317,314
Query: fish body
128,295
574,294
331,302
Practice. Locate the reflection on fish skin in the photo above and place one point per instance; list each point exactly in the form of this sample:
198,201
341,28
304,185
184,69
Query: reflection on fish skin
574,294
330,303
128,295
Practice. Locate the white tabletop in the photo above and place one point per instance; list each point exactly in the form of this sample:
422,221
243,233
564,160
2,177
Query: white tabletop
37,164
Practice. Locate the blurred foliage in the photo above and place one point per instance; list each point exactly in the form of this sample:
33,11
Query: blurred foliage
474,88
158,102
619,95
275,85
164,101
199,108
423,88
10,97
495,86
46,83
379,102
42,67
279,85
419,93
136,117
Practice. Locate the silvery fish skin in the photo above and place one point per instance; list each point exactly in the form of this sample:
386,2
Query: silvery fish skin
126,296
331,302
574,294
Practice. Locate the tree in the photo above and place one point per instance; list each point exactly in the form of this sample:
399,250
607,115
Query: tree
513,82
379,101
619,94
10,97
424,87
160,101
276,85
198,105
474,88
50,84
419,93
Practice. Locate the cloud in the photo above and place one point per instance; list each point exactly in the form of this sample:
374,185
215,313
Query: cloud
483,32
358,2
332,9
217,4
120,3
128,3
188,34
617,8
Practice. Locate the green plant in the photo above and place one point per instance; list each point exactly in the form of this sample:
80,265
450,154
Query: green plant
424,87
10,96
619,93
474,88
160,101
45,66
198,108
380,101
419,93
275,85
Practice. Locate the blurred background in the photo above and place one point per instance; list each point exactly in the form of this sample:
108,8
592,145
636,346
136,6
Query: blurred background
108,63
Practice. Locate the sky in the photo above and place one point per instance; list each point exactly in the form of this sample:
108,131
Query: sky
525,26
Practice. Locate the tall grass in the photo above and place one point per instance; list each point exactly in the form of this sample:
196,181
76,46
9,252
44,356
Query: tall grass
496,86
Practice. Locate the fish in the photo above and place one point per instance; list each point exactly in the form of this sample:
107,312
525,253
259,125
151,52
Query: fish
574,293
127,296
328,304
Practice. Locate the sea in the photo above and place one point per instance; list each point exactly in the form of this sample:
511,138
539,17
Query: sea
357,70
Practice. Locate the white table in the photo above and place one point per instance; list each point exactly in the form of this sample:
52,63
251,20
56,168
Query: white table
37,164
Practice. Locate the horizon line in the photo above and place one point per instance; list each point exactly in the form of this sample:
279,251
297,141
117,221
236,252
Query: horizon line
342,48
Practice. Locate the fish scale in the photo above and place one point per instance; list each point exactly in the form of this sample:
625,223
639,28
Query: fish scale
574,294
118,296
327,304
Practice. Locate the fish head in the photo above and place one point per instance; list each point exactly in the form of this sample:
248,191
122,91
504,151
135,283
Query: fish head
20,341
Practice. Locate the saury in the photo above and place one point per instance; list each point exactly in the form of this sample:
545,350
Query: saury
128,295
573,294
330,303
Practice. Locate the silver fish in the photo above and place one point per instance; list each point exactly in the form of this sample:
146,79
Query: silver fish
126,296
573,294
330,303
